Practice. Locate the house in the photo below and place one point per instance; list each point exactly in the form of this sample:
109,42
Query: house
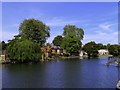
82,53
103,52
48,51
4,57
56,50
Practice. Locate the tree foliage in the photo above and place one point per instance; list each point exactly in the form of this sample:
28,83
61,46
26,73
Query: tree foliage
91,49
114,50
3,45
57,40
71,43
108,46
73,29
0,46
34,30
26,46
99,46
23,50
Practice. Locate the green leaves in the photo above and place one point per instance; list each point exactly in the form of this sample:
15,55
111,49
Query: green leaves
114,50
72,39
34,30
91,49
57,40
73,29
23,50
71,43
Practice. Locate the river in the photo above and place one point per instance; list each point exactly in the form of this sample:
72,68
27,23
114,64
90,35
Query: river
70,73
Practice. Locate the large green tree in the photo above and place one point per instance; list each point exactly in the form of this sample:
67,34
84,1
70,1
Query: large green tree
71,43
114,50
91,49
108,46
99,46
23,50
73,29
57,40
34,30
26,46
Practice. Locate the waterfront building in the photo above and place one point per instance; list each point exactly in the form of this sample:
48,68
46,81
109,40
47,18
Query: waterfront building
103,52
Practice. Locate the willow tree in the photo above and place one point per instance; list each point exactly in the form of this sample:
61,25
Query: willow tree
23,50
34,30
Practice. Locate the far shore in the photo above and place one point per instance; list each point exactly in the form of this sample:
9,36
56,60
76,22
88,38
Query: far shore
64,57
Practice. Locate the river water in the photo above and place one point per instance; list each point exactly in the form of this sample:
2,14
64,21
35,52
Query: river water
68,73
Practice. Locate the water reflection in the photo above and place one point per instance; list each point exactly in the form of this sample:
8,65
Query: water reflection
67,73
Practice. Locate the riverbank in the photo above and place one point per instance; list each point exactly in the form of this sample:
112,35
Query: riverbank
54,58
105,55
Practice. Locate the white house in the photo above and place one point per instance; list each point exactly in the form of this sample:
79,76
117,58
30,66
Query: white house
82,53
103,52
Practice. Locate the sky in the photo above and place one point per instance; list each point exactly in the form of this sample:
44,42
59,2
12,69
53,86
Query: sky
99,20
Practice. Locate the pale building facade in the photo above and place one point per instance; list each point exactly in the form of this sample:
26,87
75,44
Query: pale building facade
103,52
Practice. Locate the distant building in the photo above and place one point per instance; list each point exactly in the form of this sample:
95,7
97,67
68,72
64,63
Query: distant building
82,53
103,52
48,51
56,50
3,56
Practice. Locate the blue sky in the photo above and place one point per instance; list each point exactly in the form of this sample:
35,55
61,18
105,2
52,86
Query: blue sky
98,20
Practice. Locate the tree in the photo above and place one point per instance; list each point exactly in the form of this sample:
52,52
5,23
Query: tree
108,46
99,46
71,43
114,50
0,47
57,40
119,50
23,50
91,49
34,30
3,45
104,46
73,29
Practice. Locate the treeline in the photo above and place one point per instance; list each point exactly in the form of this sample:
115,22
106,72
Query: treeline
26,46
91,48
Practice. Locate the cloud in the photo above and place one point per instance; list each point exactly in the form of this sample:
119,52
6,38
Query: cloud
8,32
100,32
104,32
105,26
6,35
101,37
60,22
